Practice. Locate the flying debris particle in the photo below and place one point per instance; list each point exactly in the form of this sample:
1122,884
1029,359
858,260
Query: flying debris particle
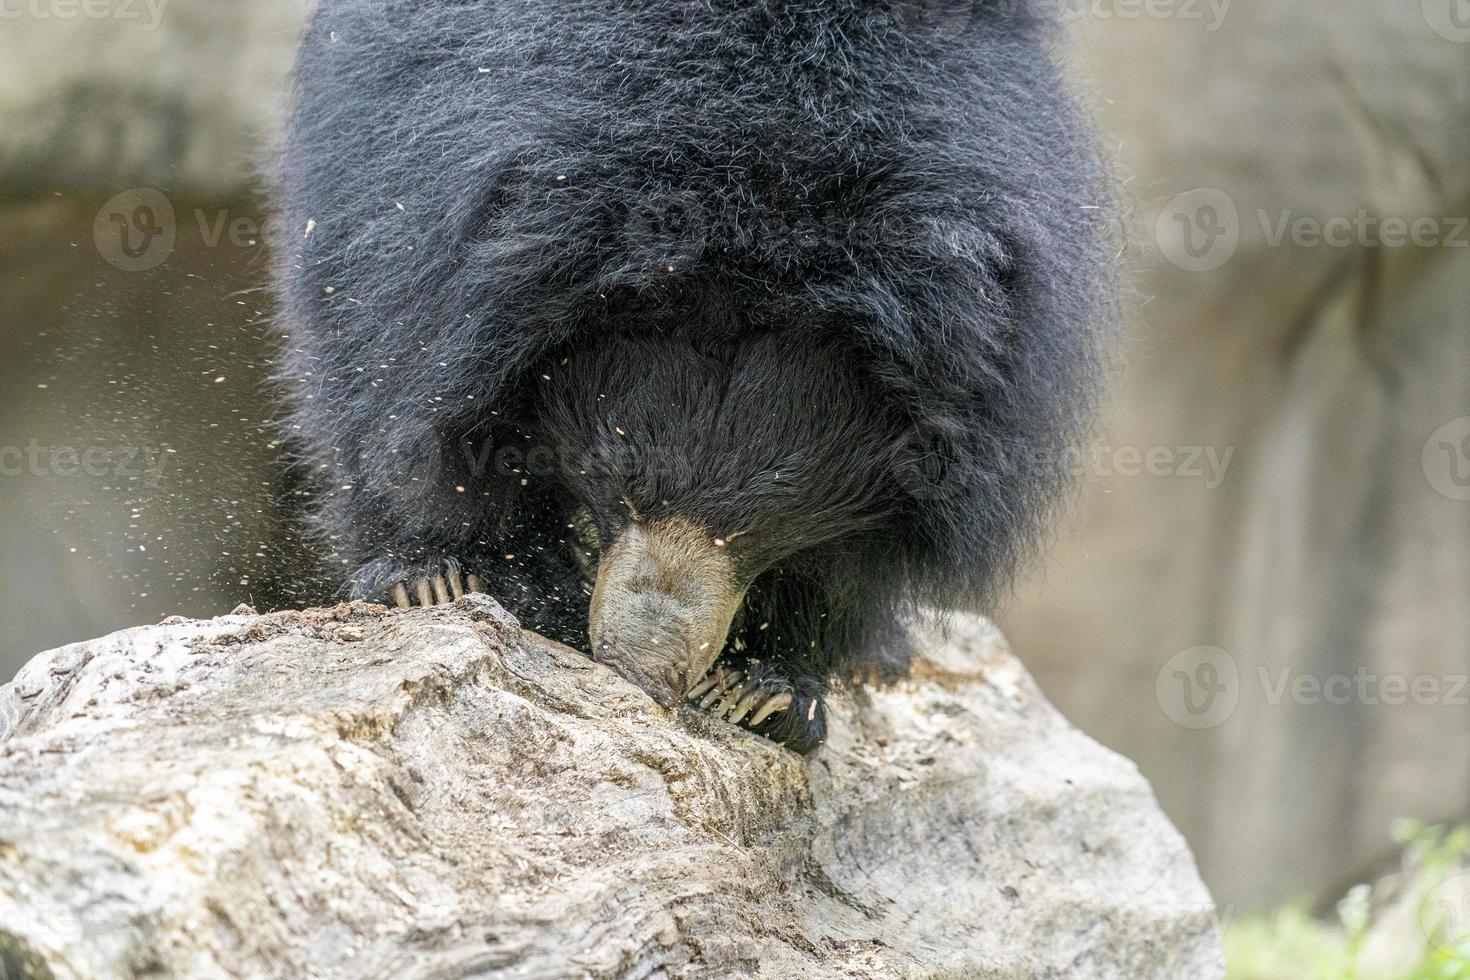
219,379
720,542
459,489
398,205
330,290
619,431
310,226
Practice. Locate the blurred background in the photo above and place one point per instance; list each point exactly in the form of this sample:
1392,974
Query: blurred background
1263,594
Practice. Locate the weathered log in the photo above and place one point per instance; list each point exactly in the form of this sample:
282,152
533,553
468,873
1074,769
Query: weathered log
362,793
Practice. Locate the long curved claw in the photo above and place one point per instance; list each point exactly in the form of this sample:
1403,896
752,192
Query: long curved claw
723,683
456,584
780,702
698,690
747,703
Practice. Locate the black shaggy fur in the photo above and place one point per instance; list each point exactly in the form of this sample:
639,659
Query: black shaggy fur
833,270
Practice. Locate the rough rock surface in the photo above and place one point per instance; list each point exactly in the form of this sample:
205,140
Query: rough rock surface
364,793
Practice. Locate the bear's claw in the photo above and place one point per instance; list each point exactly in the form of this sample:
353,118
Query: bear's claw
438,589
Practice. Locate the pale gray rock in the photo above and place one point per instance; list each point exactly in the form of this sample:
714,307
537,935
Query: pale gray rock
363,793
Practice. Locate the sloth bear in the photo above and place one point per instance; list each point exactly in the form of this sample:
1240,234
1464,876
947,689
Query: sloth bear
726,335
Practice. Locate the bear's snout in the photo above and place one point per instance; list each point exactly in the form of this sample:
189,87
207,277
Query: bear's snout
662,607
648,643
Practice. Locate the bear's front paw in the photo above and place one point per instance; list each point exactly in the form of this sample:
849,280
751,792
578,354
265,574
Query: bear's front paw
436,582
763,700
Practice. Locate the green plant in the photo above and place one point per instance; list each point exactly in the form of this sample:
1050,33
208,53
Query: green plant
1413,925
